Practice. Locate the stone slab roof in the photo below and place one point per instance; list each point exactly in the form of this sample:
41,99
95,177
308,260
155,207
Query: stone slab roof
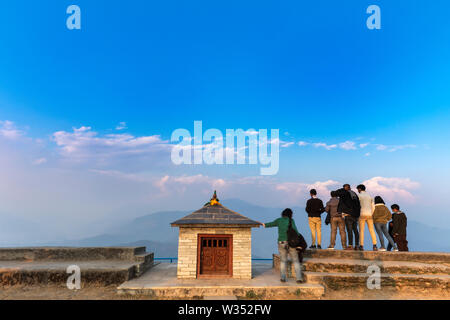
215,215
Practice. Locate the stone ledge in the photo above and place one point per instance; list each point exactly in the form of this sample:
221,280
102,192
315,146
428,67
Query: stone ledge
427,257
110,265
337,281
70,253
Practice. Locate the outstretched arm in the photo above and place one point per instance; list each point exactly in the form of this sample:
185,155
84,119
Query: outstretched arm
271,224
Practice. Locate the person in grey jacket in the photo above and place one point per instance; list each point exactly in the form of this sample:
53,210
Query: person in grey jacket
337,221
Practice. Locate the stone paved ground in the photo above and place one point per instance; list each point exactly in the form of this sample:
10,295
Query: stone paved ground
110,293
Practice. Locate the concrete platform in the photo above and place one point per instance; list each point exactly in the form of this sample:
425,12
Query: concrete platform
161,282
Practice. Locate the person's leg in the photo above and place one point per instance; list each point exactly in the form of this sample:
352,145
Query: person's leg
362,222
349,226
387,235
319,231
378,228
341,225
296,264
355,230
399,242
283,260
402,244
334,224
372,231
312,227
389,247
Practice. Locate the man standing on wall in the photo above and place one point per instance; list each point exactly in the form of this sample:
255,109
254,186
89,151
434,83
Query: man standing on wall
314,208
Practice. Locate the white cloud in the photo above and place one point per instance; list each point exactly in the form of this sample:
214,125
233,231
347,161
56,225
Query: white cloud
324,145
268,191
9,130
392,189
347,145
83,144
393,148
121,126
351,145
300,190
39,161
178,185
285,144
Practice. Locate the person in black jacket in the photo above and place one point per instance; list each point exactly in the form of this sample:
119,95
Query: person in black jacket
350,208
399,222
314,208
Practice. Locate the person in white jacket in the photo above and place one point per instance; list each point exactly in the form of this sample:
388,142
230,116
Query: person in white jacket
367,209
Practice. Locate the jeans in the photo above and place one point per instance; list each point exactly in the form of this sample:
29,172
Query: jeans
315,224
362,223
352,228
338,222
285,250
382,229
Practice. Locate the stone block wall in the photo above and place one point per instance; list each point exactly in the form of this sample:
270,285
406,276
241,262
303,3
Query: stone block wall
187,251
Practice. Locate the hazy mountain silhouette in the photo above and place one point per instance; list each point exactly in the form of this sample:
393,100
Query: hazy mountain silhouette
155,232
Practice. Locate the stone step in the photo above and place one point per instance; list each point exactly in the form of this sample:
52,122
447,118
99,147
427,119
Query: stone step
425,257
70,253
48,265
361,266
46,273
307,291
145,262
220,298
336,281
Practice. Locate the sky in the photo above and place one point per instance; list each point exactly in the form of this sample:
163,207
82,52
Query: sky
86,116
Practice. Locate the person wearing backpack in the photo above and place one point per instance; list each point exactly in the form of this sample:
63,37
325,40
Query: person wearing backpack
283,224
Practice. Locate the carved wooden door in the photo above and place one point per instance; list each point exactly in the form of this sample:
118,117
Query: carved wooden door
215,255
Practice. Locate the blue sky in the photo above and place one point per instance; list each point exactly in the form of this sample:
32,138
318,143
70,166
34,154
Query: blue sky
312,70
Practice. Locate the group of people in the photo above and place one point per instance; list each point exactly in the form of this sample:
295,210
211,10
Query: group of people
346,211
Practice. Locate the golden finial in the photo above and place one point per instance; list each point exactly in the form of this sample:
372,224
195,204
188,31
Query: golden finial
214,200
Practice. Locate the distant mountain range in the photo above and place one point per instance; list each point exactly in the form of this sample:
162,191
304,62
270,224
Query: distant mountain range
154,232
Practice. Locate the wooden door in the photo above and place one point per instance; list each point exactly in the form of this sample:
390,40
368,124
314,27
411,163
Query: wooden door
215,255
